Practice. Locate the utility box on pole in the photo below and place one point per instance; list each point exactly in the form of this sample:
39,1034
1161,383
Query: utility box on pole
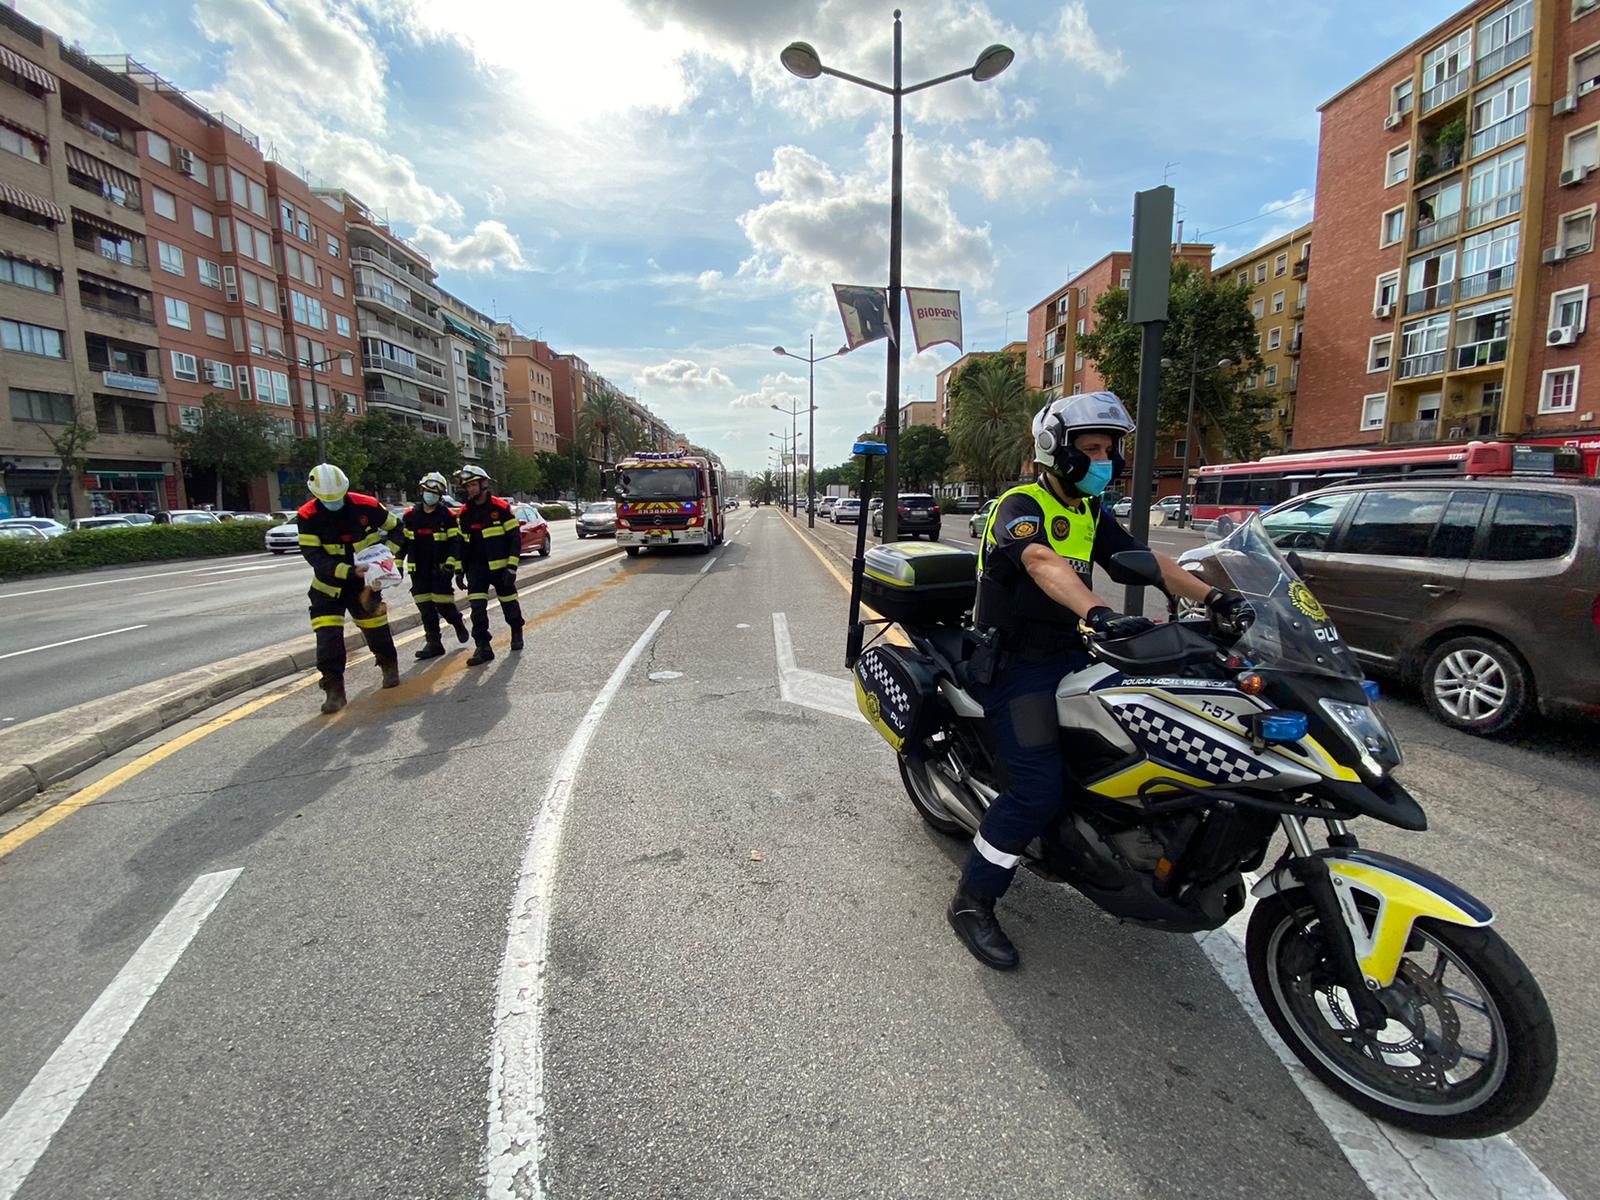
1147,307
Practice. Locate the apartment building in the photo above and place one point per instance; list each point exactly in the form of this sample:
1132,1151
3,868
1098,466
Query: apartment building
529,392
404,361
1278,277
918,412
477,376
1456,193
941,381
78,338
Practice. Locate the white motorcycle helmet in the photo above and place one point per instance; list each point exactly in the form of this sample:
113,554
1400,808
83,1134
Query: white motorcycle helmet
1059,422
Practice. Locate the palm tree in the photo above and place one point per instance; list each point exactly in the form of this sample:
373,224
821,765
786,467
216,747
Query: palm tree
764,488
991,419
606,418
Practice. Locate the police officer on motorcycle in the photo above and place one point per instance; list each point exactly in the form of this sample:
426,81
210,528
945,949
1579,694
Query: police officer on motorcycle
1035,600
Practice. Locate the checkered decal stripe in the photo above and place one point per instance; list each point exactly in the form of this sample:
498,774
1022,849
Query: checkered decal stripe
880,679
1174,742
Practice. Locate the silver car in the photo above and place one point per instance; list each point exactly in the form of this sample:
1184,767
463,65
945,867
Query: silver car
598,520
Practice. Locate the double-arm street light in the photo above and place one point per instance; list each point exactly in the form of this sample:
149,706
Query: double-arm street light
811,358
800,59
1188,431
794,443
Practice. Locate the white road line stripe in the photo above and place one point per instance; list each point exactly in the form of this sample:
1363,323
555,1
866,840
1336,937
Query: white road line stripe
182,587
73,641
514,1150
67,587
45,1104
271,566
1394,1164
710,562
811,689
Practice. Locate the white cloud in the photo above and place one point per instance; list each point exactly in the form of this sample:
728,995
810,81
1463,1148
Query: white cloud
781,389
1287,215
385,180
1074,39
684,373
1019,168
708,280
489,247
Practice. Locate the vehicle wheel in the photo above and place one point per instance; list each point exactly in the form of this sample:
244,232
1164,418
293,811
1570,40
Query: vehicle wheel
1475,1054
704,547
280,552
544,550
923,789
1476,684
633,551
580,534
933,536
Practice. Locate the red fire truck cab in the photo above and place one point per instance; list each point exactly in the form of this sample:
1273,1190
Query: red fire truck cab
669,499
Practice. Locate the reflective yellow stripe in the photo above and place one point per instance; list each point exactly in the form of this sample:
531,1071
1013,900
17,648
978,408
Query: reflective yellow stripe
500,564
511,526
434,598
327,622
334,548
341,571
326,589
310,539
508,599
477,595
372,539
372,622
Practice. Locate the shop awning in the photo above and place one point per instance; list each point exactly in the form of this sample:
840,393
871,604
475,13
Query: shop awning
34,204
29,71
103,171
461,327
23,128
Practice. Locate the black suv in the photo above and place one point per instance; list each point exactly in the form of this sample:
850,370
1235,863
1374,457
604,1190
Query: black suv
919,513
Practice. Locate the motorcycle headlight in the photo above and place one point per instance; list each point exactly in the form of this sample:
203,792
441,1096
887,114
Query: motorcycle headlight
1364,729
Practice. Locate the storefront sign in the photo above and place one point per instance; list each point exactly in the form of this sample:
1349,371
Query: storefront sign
131,383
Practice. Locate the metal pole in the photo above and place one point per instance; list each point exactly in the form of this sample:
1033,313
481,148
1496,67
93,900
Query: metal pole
1188,444
854,634
794,463
1144,448
891,432
811,436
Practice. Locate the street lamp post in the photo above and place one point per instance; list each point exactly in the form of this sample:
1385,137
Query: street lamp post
316,408
812,360
794,444
785,450
1188,431
801,59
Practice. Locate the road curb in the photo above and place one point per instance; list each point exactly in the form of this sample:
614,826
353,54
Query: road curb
36,755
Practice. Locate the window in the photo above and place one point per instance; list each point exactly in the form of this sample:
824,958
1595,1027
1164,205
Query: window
1402,96
1261,272
158,148
1081,321
215,326
1280,265
1272,376
1444,70
1583,149
256,335
1458,528
1530,525
1259,309
1244,279
244,382
1397,170
286,217
1500,113
333,246
219,373
1397,523
1126,279
1504,36
1277,302
337,284
1430,280
1489,260
1380,353
164,203
1585,72
1481,334
1275,337
1570,309
185,367
263,385
171,258
274,339
1308,525
1077,362
21,338
1394,226
25,274
177,312
1494,188
256,198
203,223
52,408
1423,344
250,288
23,145
1438,213
342,325
1372,410
1558,390
230,282
1386,292
210,273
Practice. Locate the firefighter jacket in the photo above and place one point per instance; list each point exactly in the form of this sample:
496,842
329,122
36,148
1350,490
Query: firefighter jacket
491,535
330,541
432,540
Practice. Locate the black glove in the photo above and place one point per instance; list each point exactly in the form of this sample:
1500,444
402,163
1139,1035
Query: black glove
461,580
1230,610
1108,623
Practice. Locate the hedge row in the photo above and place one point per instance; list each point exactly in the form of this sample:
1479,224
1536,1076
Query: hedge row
87,548
555,512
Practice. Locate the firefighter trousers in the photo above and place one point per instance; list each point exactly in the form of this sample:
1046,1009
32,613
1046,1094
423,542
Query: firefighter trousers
434,592
327,621
504,582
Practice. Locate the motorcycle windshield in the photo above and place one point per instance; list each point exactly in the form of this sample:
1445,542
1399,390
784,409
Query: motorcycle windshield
1291,631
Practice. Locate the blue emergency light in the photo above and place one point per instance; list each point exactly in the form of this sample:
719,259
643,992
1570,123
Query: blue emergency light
869,448
1371,689
1282,726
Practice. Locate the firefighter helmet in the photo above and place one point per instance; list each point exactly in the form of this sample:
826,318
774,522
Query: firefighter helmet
434,481
469,473
327,482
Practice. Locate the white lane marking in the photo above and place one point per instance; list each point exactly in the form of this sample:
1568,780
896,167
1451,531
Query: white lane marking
810,689
182,587
67,587
36,1116
73,641
1394,1164
514,1149
271,566
710,562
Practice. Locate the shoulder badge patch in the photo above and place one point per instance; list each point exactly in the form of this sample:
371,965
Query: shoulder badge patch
1023,527
1059,528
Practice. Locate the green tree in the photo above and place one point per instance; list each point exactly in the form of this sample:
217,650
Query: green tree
1207,321
991,419
605,422
341,446
556,471
924,456
514,472
71,444
764,488
235,444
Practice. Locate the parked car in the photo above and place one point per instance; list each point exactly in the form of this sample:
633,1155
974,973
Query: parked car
280,515
919,514
244,516
1123,508
186,516
1167,506
20,532
825,509
281,539
1480,591
109,521
137,518
848,509
535,530
972,504
598,520
979,521
48,526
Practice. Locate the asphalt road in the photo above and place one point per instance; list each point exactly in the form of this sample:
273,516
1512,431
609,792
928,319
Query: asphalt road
742,978
72,638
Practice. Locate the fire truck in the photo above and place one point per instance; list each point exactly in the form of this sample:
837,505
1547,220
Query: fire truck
669,499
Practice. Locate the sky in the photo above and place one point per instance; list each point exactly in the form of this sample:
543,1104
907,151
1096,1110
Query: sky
641,183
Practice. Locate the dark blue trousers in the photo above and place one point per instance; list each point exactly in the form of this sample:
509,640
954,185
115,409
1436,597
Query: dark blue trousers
1021,707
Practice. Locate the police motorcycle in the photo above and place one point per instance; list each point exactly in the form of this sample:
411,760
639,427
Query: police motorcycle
1191,745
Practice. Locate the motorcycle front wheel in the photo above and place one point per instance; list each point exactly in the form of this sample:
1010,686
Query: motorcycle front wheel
1470,1047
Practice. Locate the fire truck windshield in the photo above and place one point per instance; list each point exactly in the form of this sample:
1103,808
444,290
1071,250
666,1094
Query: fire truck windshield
660,483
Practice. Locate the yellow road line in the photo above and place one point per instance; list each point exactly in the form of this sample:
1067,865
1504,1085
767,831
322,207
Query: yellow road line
891,634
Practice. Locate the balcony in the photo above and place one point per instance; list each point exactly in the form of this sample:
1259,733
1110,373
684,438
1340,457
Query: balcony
370,328
127,254
390,266
377,362
1405,432
396,303
1421,364
1436,296
123,312
1444,91
1512,52
104,134
1481,284
378,398
1501,132
1475,355
1442,229
1302,266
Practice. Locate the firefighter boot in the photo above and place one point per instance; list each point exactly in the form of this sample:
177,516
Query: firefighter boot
432,647
391,673
457,621
484,653
333,697
516,637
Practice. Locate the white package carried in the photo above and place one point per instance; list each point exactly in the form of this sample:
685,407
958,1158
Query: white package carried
377,567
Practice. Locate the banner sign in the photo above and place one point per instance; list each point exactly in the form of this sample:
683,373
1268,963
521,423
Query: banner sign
865,312
935,317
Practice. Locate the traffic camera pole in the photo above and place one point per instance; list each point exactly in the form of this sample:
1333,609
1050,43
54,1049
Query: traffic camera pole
853,637
1150,283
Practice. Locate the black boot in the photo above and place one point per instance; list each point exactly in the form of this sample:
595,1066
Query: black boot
457,622
973,919
333,698
391,673
483,654
432,647
516,637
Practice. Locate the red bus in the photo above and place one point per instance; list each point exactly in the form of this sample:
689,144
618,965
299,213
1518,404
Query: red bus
1229,492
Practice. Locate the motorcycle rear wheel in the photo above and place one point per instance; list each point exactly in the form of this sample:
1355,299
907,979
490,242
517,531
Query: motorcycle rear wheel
923,786
1476,1056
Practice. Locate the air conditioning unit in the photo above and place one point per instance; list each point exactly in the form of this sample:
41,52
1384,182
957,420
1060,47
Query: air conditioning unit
1392,121
1553,254
1575,176
1564,336
1563,106
1383,311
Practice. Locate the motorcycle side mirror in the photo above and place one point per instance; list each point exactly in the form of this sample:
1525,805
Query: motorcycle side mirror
1140,567
1294,562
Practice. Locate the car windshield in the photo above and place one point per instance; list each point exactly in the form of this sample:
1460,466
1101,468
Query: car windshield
917,501
660,483
192,518
600,509
1291,631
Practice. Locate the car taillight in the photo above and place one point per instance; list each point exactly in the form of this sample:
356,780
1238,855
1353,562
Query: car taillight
903,510
1594,613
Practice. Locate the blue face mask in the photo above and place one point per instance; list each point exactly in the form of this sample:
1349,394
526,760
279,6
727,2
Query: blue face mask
1095,478
336,505
430,497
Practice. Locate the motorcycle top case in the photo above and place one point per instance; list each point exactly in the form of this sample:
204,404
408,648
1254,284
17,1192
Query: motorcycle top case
920,583
895,689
